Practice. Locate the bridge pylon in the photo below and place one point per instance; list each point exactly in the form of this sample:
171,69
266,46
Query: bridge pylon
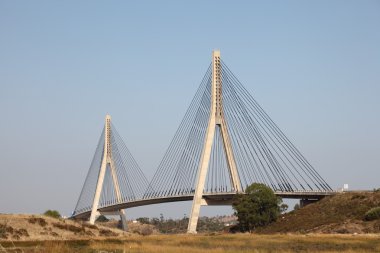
107,162
216,122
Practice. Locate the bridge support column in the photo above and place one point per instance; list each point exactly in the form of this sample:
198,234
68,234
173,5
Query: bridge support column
107,162
123,219
216,119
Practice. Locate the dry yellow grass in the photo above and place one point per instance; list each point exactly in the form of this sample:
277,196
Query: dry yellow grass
213,244
51,229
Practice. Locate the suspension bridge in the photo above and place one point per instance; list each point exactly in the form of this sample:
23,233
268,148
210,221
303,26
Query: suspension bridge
225,142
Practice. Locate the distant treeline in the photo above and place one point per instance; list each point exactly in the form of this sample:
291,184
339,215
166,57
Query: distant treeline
175,226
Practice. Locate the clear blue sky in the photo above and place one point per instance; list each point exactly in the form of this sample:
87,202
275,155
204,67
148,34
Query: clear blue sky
314,66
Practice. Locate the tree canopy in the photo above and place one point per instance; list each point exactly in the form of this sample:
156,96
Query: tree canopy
52,213
258,207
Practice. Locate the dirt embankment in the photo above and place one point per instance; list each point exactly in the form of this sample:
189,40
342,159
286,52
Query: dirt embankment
343,213
39,227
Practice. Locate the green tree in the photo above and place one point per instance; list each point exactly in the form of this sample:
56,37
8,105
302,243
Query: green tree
283,208
258,207
53,214
143,220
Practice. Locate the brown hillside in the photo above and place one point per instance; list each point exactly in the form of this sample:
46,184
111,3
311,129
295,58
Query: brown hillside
342,213
39,227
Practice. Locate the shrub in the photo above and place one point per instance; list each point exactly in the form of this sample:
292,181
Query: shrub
146,230
39,221
89,233
16,234
296,206
15,237
102,218
342,231
358,196
53,214
68,227
143,220
54,234
283,208
90,226
22,232
106,232
372,214
9,230
3,231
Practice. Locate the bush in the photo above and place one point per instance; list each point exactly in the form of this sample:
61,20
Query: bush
143,220
283,208
53,214
146,230
21,232
3,231
141,229
372,214
68,227
89,233
54,234
16,237
102,218
39,221
16,234
9,230
106,232
90,226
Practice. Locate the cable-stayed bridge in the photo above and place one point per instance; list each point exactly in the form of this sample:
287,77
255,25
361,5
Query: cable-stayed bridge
224,143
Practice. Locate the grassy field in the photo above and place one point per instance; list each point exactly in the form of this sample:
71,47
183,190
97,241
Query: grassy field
206,243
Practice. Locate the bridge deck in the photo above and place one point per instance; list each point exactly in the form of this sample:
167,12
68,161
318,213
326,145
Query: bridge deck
214,197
